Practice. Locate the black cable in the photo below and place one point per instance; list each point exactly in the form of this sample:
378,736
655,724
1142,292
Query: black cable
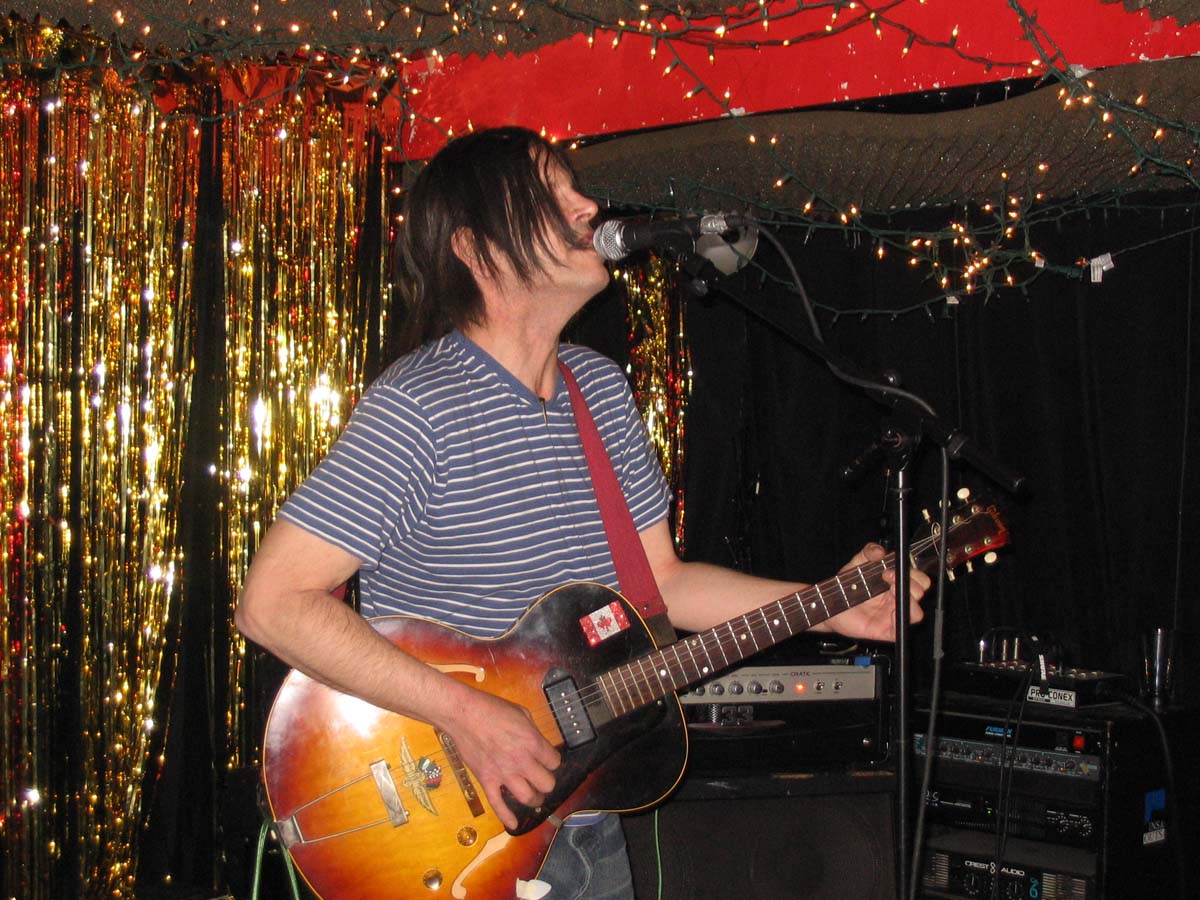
1003,789
935,689
1177,606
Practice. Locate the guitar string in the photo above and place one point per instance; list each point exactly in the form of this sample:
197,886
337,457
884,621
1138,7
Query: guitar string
708,641
545,719
788,605
543,716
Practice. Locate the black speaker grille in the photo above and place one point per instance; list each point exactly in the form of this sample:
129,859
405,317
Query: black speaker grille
766,848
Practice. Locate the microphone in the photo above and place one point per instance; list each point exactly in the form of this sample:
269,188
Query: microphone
617,238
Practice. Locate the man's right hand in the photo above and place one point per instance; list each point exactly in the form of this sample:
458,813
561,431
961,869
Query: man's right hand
500,744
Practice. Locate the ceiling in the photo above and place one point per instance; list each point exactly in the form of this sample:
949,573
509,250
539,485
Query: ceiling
233,27
889,162
881,161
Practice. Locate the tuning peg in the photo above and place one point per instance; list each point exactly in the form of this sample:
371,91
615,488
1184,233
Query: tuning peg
949,575
990,557
926,516
963,493
970,567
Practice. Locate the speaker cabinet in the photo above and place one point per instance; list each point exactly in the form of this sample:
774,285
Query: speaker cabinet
806,837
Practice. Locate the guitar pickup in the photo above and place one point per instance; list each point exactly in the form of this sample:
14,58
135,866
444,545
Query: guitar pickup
570,712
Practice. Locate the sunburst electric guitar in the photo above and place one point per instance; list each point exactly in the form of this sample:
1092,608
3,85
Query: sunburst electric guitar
372,805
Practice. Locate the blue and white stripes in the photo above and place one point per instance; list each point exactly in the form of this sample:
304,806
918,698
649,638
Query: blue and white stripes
466,497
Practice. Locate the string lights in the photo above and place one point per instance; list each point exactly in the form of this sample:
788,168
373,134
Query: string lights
98,223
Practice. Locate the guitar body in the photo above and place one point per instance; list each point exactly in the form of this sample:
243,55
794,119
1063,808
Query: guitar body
374,805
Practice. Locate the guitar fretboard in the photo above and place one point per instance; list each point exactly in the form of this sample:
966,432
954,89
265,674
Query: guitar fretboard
696,658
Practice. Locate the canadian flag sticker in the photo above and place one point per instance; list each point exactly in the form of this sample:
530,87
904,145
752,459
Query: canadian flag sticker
604,623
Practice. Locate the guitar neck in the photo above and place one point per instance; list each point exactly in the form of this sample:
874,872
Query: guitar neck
700,656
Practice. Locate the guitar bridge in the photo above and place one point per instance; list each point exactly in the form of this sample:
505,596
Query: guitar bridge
570,711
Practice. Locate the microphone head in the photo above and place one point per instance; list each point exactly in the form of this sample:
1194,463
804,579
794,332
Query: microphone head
607,241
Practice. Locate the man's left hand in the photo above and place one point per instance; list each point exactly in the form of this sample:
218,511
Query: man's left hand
875,619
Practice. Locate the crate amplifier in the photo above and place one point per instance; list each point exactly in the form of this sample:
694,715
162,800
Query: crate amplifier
787,717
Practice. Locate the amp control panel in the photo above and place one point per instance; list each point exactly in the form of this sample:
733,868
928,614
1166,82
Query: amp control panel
789,684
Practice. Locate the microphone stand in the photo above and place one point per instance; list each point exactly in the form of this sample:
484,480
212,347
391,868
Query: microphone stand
898,446
901,448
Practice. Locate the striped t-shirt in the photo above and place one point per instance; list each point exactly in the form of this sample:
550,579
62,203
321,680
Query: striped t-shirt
465,496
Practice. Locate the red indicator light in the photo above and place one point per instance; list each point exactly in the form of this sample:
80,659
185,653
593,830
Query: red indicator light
1078,743
801,687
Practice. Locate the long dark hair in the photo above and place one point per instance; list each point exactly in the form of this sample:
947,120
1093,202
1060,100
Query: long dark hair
492,187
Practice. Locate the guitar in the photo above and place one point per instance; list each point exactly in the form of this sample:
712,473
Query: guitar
373,805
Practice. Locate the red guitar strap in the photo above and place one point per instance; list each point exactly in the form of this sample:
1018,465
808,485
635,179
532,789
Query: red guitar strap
629,556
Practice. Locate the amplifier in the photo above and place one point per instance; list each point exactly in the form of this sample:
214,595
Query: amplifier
963,864
789,717
856,679
1084,793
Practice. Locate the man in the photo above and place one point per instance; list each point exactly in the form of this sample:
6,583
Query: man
459,490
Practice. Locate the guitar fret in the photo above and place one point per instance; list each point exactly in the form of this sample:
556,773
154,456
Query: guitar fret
627,670
721,647
638,683
627,684
642,665
692,653
884,565
804,612
606,689
702,671
824,605
699,670
735,643
643,683
842,588
750,631
622,691
863,579
770,633
662,671
678,673
618,696
787,623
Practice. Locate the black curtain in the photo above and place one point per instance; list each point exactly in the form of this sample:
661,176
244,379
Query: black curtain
1084,388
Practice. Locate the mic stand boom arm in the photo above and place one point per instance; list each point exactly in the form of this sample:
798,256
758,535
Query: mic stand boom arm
899,447
928,424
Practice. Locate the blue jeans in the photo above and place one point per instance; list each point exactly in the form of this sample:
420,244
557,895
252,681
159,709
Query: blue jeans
589,862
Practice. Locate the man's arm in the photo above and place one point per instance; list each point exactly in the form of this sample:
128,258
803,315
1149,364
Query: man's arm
287,607
699,595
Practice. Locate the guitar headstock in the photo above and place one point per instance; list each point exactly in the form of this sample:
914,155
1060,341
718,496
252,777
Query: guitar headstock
974,528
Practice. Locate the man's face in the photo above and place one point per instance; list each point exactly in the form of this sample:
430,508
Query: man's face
574,266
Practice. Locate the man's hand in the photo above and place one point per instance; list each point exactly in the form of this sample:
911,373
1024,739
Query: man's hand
500,744
875,619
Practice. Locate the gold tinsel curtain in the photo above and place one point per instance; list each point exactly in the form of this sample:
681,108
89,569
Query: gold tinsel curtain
306,296
98,220
96,217
119,362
